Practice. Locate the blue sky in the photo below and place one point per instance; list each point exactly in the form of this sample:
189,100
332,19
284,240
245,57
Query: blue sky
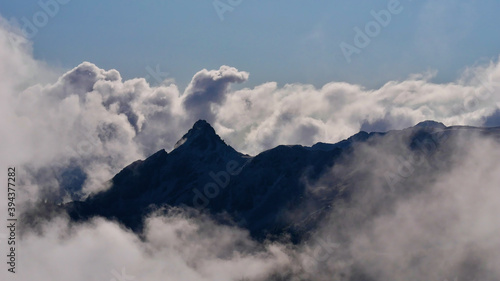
283,40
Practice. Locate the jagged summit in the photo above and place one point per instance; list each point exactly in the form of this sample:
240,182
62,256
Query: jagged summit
201,136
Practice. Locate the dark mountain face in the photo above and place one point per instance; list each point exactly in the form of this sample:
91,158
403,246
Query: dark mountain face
287,189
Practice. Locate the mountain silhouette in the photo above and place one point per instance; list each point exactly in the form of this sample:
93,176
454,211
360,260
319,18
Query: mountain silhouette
271,194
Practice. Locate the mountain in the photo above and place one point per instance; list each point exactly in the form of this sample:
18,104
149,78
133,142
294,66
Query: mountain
273,193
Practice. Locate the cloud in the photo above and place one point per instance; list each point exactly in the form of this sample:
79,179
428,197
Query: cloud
269,115
209,88
438,223
175,246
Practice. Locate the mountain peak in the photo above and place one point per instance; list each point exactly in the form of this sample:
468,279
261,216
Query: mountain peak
430,124
201,136
202,125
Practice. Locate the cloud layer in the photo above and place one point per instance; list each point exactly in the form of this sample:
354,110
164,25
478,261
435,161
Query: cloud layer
436,223
175,247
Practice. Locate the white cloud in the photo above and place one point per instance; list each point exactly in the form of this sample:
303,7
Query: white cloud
442,225
175,247
208,88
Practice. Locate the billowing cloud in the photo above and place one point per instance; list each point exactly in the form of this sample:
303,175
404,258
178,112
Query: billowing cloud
208,88
175,247
273,115
438,223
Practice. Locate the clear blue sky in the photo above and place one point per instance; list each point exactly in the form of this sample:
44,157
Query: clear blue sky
281,40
